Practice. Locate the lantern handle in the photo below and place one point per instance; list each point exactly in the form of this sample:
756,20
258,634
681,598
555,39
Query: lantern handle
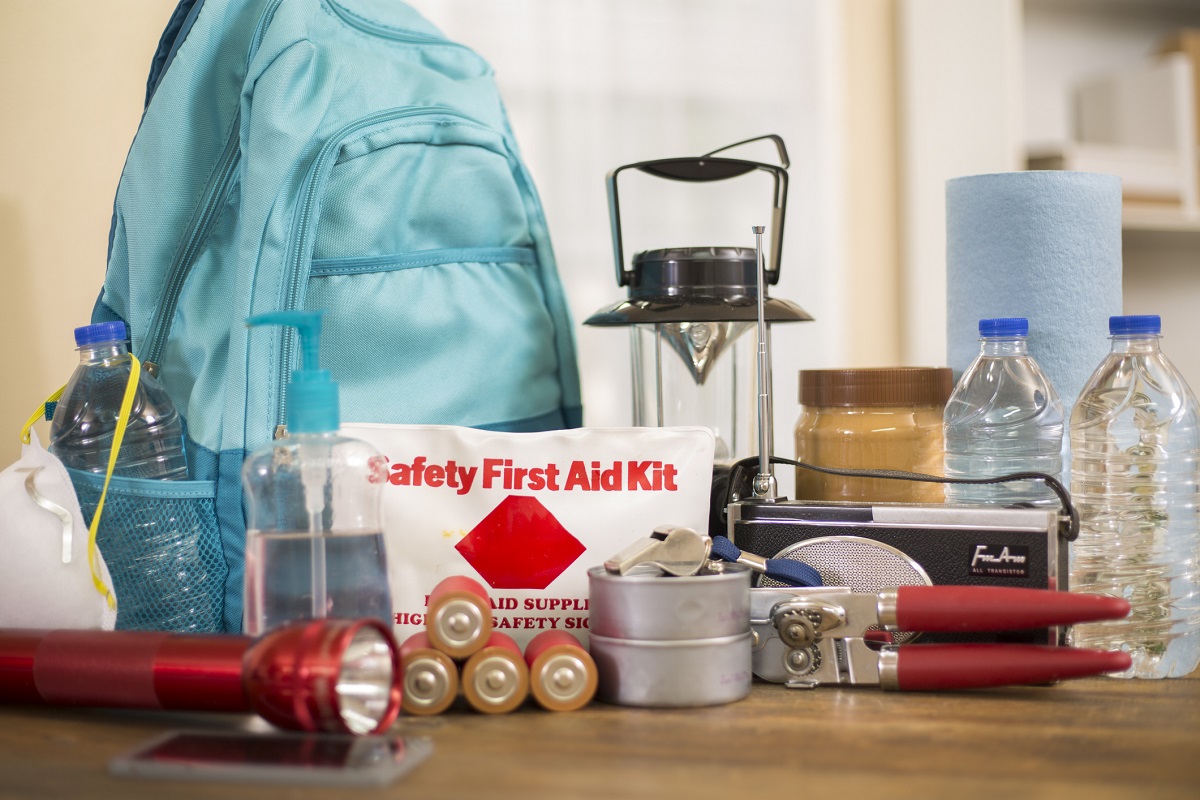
775,138
704,169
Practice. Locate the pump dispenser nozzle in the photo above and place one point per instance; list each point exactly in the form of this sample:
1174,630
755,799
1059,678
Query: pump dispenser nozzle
312,393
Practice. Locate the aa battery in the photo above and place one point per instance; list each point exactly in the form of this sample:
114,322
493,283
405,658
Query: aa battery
495,679
562,675
459,617
430,676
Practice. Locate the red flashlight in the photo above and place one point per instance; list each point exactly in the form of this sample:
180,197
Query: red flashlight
334,676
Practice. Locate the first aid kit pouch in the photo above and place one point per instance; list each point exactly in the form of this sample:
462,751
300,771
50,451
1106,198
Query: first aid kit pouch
336,155
528,514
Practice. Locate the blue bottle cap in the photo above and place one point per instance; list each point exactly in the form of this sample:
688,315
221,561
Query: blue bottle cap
1004,326
100,332
1137,325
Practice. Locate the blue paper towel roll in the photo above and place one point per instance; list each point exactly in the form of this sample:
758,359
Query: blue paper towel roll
1041,245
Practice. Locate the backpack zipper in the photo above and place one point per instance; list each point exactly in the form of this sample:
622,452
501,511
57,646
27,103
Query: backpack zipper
301,244
215,194
260,30
160,328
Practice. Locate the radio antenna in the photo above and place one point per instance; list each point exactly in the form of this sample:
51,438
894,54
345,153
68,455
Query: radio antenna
764,486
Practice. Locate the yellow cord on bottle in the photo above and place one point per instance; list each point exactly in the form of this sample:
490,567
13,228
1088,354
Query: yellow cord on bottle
135,372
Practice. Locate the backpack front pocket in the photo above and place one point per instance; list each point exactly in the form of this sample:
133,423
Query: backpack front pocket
414,234
457,336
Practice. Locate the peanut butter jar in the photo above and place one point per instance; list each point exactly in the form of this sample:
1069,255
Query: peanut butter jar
879,418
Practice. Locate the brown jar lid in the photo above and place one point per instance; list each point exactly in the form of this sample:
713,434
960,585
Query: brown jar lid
880,386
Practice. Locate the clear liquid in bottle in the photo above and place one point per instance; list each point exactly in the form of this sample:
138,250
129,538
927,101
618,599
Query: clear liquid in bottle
1135,439
1003,417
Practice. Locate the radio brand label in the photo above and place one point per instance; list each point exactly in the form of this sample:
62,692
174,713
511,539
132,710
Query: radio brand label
1000,561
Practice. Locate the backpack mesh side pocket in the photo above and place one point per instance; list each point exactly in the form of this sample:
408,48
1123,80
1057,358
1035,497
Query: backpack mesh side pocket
163,550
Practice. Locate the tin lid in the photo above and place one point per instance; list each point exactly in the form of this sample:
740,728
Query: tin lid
880,386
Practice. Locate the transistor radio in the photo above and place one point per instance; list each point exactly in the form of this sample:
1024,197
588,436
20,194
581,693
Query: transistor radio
870,547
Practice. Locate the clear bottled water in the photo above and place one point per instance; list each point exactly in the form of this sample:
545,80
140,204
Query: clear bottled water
166,566
85,420
1135,439
1003,417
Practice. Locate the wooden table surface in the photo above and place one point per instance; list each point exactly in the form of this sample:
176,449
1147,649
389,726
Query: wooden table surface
1093,738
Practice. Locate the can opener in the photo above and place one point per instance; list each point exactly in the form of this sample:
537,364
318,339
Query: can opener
829,635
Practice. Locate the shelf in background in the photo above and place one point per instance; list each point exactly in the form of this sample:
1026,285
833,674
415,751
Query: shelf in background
1160,218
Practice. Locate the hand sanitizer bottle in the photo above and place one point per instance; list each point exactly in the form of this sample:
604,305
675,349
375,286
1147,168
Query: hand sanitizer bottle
314,538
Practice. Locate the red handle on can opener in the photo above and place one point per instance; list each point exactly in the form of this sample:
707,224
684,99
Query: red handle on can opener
931,667
942,609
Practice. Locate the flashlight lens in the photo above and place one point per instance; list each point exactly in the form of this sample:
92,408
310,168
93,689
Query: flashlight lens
364,687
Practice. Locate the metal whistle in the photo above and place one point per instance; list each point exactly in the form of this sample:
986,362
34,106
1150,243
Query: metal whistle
675,551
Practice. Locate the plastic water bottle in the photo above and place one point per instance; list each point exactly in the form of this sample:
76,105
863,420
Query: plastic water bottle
167,570
1003,417
1135,440
85,420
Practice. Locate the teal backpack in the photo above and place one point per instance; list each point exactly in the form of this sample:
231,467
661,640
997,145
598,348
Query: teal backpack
338,155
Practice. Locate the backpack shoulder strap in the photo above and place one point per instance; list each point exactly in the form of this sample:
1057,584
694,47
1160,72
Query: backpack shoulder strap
178,25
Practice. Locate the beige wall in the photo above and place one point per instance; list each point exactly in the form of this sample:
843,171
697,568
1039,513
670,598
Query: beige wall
872,244
72,82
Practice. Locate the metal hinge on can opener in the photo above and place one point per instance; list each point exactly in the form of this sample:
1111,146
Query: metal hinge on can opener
682,551
830,635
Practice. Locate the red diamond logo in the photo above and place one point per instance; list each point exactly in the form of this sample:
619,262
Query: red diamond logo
520,545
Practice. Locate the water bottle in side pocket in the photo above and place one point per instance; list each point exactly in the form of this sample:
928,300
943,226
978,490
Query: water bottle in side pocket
161,569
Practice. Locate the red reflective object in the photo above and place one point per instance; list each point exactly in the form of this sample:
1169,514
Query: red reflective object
289,676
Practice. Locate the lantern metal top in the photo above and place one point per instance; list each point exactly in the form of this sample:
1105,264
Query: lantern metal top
695,284
700,284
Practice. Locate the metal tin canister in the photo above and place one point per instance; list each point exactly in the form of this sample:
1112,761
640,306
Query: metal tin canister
662,641
658,607
675,673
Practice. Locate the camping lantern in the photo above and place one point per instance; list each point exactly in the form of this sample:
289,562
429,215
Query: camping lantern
688,308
